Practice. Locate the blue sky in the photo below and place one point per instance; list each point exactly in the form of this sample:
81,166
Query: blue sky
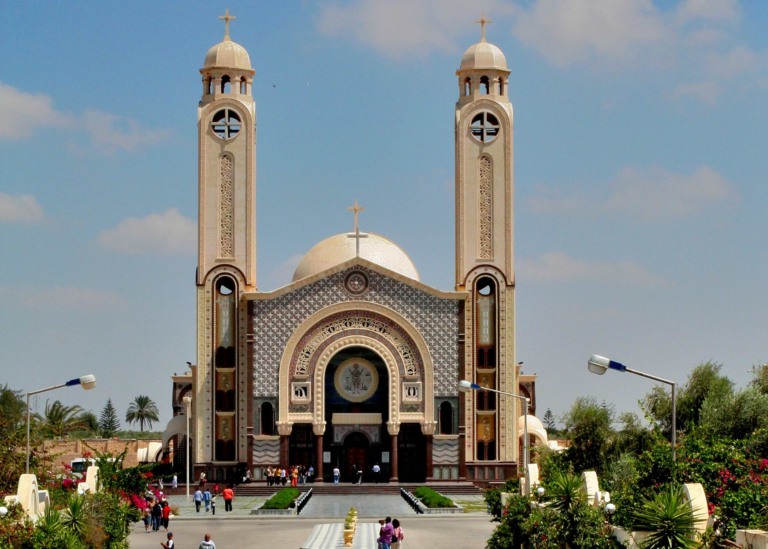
641,141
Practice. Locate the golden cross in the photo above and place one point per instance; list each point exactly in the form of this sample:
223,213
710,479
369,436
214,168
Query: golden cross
483,21
227,18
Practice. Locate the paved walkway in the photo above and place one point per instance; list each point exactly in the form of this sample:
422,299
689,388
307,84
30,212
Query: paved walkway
241,529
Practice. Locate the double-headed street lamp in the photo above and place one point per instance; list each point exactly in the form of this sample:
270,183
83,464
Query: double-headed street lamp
86,382
599,364
465,385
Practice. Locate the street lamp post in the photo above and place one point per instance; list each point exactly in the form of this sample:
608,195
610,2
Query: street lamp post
599,364
86,382
187,405
465,385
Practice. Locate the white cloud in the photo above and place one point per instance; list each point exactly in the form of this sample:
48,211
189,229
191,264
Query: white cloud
22,208
647,195
707,92
571,31
559,267
725,11
733,62
658,194
46,299
165,233
403,28
22,113
111,133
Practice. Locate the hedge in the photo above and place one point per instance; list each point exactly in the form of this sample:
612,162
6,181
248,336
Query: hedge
432,499
281,500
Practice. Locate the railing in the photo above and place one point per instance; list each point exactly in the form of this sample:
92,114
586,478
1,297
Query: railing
302,500
411,500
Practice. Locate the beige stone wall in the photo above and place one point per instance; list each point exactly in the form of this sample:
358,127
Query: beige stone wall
60,452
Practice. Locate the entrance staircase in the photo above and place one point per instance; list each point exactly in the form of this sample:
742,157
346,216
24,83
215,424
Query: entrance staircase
255,489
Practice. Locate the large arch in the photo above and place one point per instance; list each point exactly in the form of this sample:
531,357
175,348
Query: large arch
403,350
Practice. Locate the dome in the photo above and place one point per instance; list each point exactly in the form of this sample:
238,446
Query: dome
535,428
481,56
227,54
341,247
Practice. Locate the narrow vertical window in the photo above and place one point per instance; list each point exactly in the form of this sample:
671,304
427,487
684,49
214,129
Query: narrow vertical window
226,206
486,208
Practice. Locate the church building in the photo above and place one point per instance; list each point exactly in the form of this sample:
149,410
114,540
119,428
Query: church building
355,361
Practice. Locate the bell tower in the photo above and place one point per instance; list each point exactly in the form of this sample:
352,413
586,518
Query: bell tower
484,258
226,268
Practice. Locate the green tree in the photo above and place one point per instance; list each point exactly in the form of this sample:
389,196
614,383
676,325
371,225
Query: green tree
59,420
142,410
12,410
760,378
588,426
108,422
549,420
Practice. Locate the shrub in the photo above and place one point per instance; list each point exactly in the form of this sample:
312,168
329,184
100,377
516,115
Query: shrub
667,515
432,499
281,500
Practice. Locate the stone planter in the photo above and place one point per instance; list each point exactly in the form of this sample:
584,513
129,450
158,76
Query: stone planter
349,536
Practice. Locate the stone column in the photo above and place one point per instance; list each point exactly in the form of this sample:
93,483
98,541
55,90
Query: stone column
428,430
393,429
284,429
319,430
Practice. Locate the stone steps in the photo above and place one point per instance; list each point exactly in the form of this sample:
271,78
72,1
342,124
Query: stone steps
346,489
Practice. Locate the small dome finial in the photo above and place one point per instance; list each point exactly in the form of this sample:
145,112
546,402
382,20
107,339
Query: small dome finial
482,22
227,18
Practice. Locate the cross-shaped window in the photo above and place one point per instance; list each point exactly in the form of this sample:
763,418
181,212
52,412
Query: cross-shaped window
226,123
485,127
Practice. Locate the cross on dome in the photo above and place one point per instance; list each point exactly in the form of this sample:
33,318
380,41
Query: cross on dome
227,18
357,235
482,22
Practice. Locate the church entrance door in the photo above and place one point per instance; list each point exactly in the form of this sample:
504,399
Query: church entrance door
355,454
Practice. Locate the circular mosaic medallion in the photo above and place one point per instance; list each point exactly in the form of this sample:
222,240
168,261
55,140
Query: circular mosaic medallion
356,379
356,283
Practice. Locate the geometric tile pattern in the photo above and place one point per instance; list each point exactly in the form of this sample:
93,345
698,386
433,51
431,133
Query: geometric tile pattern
276,320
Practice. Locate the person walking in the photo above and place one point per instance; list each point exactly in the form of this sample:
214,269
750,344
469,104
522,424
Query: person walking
360,475
336,475
169,544
166,515
207,542
385,534
376,472
175,481
157,515
207,499
228,494
198,499
213,504
397,535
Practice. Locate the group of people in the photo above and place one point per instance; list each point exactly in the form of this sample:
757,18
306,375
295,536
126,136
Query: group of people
390,534
296,475
156,513
208,499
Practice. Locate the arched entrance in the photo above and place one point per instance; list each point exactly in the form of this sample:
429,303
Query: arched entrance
356,412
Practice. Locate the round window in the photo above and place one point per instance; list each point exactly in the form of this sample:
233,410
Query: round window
226,123
485,127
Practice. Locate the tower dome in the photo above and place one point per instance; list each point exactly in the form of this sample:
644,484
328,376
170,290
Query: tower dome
227,54
341,247
483,56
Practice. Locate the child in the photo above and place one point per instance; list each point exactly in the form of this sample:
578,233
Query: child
168,544
213,504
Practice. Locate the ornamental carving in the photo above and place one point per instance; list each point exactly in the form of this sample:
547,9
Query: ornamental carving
486,208
356,325
226,205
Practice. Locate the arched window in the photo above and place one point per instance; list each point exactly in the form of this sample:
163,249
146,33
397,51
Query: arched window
485,87
501,86
267,419
243,86
446,418
226,84
467,86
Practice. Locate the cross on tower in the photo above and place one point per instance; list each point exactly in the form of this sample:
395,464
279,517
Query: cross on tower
227,18
483,21
357,235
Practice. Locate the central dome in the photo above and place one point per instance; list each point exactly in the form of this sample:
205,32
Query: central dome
482,56
341,247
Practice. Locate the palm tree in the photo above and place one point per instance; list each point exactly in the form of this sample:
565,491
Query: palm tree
60,420
667,515
141,410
